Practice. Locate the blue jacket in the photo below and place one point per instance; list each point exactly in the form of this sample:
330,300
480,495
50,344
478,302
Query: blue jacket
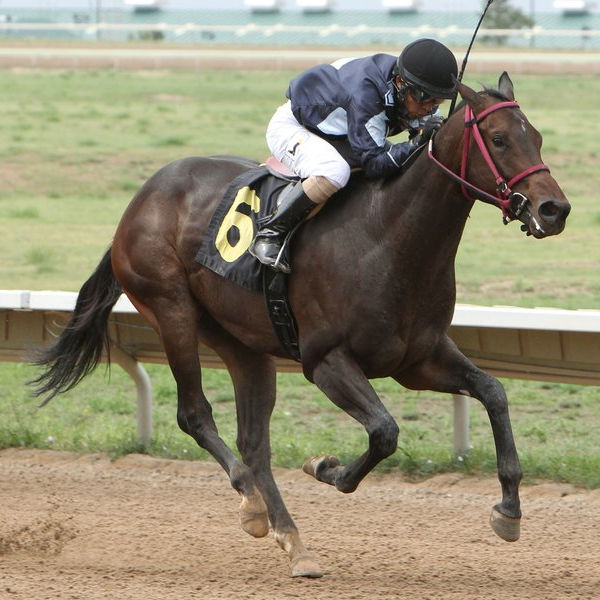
353,99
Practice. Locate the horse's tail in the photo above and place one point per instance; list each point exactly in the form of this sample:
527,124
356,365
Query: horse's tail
78,348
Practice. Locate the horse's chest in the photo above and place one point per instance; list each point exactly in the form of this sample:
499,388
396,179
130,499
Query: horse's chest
386,348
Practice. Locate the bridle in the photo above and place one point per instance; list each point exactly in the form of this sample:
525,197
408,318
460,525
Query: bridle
505,198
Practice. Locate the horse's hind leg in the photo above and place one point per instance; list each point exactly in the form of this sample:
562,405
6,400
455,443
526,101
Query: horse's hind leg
253,377
178,320
254,383
447,370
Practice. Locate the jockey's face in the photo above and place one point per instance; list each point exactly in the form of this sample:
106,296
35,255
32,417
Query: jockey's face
416,110
418,104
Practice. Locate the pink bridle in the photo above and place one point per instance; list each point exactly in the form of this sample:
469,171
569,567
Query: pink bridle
504,195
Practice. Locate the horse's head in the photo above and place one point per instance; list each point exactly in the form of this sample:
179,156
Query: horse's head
501,161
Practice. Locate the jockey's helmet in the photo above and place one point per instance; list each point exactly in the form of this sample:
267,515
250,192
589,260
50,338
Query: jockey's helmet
428,68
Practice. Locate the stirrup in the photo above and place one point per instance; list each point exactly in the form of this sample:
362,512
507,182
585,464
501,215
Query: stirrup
280,263
273,236
271,254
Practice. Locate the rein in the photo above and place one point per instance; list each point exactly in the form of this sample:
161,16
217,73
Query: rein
505,197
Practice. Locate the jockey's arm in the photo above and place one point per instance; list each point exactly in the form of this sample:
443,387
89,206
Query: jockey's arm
379,157
368,128
390,157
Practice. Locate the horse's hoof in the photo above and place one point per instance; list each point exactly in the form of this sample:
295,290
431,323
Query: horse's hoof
508,528
306,566
253,516
317,464
302,562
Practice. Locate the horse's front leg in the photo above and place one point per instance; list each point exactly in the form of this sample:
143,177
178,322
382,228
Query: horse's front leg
448,370
345,384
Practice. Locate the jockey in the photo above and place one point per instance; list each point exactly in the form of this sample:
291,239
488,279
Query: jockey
339,116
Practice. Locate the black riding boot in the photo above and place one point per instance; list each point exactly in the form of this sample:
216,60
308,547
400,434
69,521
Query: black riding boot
294,207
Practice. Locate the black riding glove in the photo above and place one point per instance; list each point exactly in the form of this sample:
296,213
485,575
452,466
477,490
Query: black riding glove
429,128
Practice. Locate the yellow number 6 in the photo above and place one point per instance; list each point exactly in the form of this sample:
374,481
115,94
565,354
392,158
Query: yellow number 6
242,222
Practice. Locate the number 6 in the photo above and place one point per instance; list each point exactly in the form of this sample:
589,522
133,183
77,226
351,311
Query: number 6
243,222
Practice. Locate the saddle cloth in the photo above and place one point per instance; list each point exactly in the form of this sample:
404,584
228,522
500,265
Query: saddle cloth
250,199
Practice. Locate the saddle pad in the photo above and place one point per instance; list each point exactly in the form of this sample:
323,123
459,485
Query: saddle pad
250,198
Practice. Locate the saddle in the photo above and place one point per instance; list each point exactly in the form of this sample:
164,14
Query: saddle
250,198
278,169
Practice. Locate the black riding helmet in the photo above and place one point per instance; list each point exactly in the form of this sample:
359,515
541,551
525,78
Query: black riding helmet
429,66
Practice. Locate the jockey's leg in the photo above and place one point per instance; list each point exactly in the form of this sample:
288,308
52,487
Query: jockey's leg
319,189
296,202
322,170
293,207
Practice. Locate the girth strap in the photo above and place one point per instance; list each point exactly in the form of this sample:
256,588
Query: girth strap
280,312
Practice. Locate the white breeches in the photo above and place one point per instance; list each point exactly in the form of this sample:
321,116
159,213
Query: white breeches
305,153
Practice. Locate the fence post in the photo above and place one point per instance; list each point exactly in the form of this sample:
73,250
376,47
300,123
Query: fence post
461,424
144,392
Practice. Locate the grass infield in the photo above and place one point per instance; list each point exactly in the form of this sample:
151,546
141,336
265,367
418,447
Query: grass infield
78,144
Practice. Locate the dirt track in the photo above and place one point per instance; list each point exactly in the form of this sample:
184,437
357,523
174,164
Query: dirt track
147,528
130,56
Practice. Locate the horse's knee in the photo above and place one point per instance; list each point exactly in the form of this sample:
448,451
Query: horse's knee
183,423
196,424
188,422
491,393
384,437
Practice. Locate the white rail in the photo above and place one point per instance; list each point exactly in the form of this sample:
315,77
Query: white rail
544,344
239,30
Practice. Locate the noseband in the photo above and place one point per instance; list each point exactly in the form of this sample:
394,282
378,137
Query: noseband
505,198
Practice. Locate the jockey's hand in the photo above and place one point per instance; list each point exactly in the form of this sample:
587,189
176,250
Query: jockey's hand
431,126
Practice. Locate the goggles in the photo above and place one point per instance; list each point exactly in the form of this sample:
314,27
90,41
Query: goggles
423,97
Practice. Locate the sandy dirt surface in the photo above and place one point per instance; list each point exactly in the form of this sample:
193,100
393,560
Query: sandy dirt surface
144,528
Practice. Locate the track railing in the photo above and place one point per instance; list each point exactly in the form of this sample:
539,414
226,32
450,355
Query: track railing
543,344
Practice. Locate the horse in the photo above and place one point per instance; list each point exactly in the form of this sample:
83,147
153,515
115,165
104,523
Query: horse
372,290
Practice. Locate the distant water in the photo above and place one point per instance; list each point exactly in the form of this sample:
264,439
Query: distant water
346,25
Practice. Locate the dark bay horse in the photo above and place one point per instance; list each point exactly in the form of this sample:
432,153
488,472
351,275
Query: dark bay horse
372,289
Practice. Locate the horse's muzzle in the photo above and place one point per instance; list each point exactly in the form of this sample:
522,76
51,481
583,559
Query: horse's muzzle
548,218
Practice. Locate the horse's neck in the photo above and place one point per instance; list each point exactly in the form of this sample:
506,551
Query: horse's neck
424,205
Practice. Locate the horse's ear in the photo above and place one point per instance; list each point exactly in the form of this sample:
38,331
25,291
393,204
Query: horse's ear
471,97
505,86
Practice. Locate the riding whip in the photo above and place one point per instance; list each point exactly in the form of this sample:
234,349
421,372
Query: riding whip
466,58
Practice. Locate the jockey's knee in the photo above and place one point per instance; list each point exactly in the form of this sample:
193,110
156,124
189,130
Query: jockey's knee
335,170
320,188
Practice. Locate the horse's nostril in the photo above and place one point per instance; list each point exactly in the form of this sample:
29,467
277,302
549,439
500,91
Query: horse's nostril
548,210
551,211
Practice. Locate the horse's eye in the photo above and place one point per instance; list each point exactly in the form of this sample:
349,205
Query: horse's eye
498,141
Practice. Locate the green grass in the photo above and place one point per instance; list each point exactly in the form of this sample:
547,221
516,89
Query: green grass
78,144
555,425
